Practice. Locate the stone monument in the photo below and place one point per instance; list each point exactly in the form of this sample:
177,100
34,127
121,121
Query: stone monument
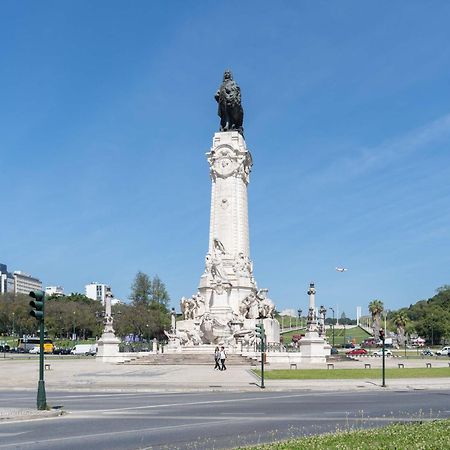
228,302
313,346
108,344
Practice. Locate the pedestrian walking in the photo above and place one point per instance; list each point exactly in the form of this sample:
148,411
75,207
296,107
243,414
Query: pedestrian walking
217,358
223,356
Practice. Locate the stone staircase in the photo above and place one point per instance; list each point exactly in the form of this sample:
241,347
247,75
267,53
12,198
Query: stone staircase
189,359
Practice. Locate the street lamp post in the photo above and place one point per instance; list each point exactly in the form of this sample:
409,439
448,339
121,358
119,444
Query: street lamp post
332,324
299,312
13,331
73,332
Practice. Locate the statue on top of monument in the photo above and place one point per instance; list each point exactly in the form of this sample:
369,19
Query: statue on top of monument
230,111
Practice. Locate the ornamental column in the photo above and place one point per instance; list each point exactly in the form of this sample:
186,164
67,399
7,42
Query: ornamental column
228,276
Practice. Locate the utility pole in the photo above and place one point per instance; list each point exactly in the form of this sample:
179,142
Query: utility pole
332,324
383,368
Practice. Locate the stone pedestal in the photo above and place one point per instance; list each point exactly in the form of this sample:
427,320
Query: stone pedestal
108,347
313,348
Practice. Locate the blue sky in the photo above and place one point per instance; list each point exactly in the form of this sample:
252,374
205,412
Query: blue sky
107,110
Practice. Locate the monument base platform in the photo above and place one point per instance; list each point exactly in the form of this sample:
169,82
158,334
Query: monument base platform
108,348
313,348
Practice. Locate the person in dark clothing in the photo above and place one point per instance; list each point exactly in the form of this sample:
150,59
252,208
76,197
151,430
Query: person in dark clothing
217,358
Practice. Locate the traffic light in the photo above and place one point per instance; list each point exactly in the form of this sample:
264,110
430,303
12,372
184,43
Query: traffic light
381,334
37,304
259,328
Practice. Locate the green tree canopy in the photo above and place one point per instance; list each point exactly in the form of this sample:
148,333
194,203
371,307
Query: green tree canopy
141,289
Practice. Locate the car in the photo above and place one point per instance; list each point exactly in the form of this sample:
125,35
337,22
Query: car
35,350
427,352
84,349
334,351
380,353
61,351
444,351
357,352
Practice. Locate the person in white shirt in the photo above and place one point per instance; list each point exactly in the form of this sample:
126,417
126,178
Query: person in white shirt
222,358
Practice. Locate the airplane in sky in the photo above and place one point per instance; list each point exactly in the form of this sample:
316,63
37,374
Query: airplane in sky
341,269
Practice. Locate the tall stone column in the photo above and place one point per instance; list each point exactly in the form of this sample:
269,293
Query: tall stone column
228,276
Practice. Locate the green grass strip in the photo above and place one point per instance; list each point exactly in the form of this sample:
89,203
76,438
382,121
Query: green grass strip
348,374
412,436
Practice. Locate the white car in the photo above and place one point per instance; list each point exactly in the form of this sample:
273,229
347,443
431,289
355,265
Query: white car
444,351
35,350
380,353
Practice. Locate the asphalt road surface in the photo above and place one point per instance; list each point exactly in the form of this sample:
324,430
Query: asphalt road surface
206,420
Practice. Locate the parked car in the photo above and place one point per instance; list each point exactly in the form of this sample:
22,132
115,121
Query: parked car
61,351
357,352
35,350
84,349
334,351
4,348
444,351
427,352
380,353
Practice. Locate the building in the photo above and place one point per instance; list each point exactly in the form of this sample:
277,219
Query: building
56,291
24,283
97,291
6,280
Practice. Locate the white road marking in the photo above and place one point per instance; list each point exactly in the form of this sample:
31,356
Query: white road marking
115,433
207,402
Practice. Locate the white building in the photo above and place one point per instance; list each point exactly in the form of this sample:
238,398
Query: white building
24,283
97,291
6,280
57,291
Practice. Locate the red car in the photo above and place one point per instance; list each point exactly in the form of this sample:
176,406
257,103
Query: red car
357,351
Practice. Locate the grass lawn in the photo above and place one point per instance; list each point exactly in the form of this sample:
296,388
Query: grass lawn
341,336
412,436
340,374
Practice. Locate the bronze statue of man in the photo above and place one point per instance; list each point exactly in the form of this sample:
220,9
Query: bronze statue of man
230,111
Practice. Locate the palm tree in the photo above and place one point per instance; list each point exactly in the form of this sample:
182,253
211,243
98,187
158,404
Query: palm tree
376,308
400,321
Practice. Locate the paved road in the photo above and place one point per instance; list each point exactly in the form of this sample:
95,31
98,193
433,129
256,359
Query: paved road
211,420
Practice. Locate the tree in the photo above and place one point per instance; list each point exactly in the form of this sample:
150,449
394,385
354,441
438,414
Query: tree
141,289
159,292
400,321
149,315
376,308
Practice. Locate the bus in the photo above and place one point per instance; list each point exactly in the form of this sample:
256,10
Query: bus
25,344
